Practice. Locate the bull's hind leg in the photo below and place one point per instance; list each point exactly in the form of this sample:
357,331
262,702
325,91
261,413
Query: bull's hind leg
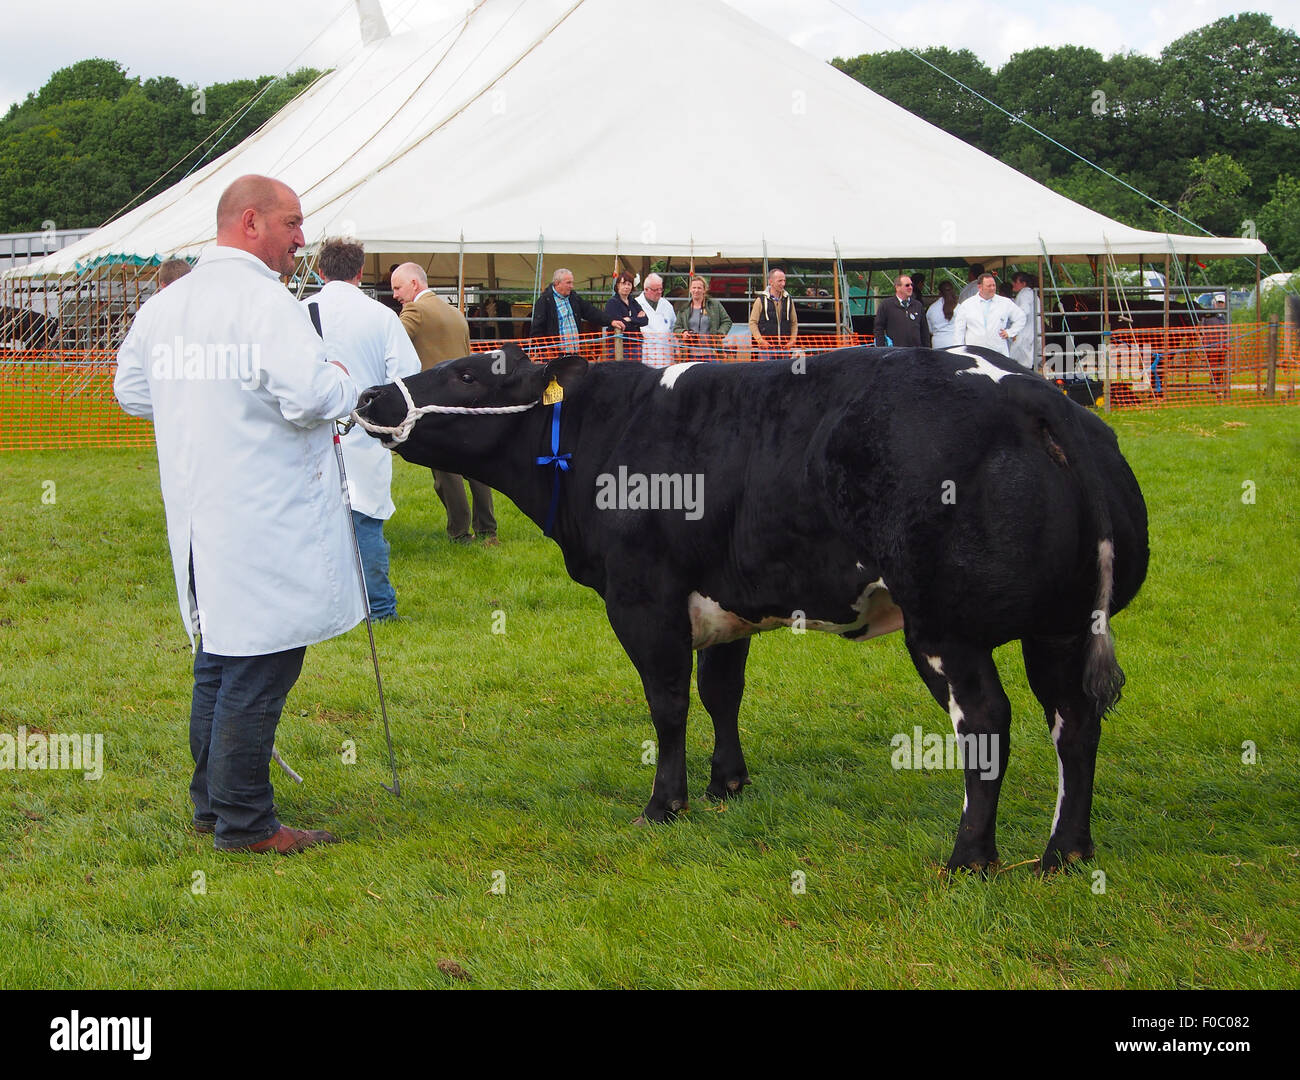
720,675
1055,669
963,679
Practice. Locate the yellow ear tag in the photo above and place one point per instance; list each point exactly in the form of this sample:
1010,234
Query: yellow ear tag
554,392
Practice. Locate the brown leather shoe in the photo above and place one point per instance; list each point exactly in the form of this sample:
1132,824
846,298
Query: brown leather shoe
289,841
204,826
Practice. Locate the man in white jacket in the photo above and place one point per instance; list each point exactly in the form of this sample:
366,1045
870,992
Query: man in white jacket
370,340
657,334
1025,349
227,365
988,319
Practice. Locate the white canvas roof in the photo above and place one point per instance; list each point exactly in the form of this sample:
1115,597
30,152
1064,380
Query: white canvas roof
586,128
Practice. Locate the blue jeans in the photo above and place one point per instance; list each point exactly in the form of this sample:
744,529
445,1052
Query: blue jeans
374,564
233,716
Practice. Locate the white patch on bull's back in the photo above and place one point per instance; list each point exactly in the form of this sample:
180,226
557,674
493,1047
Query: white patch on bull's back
982,366
671,374
1060,770
712,624
936,663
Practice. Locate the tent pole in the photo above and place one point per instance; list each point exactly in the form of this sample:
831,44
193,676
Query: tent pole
1042,312
1258,298
1166,292
766,271
537,271
460,276
1105,334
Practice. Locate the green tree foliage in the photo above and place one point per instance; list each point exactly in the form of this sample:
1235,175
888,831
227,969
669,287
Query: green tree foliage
1279,220
93,140
1209,128
907,81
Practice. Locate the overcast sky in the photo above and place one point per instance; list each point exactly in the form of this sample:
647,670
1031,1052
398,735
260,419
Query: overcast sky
201,43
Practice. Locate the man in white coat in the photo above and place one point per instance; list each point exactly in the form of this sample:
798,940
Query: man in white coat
1024,351
657,346
226,364
988,319
370,340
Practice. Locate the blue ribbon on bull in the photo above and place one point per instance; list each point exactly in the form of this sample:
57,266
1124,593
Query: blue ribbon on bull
561,463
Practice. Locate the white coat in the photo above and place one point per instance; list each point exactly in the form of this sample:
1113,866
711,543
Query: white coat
977,322
1024,350
369,340
657,334
226,364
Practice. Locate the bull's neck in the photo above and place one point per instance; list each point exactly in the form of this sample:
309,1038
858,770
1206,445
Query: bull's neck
515,473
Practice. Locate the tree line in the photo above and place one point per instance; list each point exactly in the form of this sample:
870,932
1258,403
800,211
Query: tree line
1210,128
93,139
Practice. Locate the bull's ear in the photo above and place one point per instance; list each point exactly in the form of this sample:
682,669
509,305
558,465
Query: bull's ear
566,370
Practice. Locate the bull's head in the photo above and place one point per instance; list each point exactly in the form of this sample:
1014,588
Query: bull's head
459,413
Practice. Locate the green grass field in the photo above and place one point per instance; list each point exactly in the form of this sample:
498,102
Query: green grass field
521,760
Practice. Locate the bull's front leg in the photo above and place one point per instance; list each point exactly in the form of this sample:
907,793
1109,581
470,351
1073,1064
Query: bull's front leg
657,639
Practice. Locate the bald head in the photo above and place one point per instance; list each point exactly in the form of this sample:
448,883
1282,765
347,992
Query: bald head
408,281
263,217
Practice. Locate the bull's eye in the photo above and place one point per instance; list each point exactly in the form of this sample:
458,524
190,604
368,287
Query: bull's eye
467,377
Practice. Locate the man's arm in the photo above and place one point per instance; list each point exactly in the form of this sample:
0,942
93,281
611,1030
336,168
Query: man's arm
754,312
540,318
131,383
880,329
794,321
410,319
925,327
1018,321
293,367
723,328
959,323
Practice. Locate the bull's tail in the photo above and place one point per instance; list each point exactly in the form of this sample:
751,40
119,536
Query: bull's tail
1102,676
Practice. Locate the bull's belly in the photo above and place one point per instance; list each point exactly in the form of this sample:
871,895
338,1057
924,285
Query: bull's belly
712,624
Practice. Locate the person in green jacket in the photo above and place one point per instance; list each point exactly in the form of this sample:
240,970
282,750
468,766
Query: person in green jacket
702,323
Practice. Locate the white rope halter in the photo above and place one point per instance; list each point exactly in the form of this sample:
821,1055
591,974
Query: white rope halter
401,432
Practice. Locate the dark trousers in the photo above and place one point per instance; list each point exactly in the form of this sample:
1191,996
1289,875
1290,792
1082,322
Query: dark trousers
233,716
451,490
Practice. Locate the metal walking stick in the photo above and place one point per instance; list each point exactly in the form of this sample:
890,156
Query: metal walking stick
396,789
313,309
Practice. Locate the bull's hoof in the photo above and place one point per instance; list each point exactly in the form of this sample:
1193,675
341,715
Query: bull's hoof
728,789
662,815
1055,860
968,860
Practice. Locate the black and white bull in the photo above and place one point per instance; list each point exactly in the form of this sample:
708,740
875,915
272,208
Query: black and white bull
946,494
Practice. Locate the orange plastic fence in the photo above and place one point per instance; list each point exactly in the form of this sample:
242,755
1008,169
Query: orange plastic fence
1202,366
57,399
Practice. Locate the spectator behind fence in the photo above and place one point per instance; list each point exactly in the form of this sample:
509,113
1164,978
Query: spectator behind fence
773,323
972,285
901,321
559,312
439,332
702,323
657,333
1025,349
622,307
366,337
988,319
940,317
172,270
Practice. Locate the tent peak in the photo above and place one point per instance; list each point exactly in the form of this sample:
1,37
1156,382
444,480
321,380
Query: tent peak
374,27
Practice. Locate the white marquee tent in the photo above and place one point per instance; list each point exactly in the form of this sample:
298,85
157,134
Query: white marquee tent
581,129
